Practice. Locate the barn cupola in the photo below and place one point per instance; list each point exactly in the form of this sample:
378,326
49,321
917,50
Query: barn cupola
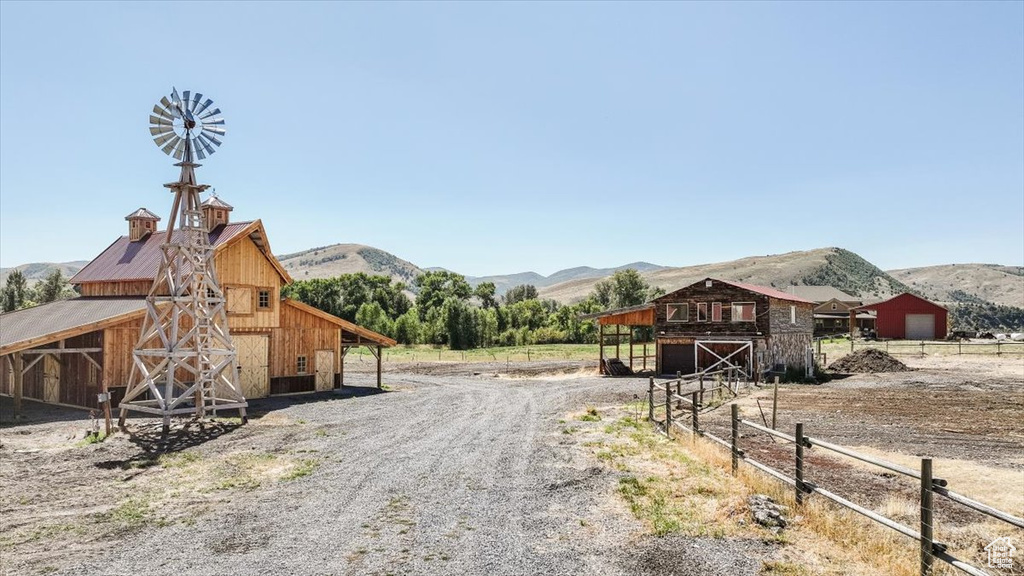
215,212
141,223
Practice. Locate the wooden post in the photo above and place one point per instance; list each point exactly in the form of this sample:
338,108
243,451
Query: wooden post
600,347
631,350
618,339
679,388
106,407
645,356
650,400
341,366
19,367
799,463
379,383
668,409
701,378
927,526
775,401
735,438
693,413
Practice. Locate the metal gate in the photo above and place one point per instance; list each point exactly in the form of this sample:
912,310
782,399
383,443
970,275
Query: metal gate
253,369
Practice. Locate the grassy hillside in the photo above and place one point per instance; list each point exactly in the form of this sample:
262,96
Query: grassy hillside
1001,285
822,267
36,271
503,283
330,261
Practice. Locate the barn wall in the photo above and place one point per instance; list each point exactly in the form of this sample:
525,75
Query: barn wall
789,349
243,265
80,381
892,316
301,333
718,292
780,319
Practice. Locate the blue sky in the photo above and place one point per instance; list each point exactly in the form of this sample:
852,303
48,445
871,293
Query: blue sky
497,138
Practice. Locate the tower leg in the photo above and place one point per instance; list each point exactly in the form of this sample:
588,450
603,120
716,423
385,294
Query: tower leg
242,415
120,420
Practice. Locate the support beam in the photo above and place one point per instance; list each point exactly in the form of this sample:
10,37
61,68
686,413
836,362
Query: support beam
379,384
19,377
600,348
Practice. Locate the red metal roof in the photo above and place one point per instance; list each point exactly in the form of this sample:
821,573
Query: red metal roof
125,260
772,292
896,300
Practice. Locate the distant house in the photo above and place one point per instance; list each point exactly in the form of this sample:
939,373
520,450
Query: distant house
832,310
71,350
907,317
715,323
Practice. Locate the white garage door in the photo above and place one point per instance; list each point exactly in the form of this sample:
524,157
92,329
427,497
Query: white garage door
920,326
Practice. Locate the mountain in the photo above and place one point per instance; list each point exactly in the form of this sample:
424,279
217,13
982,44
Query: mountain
1003,285
36,271
503,283
821,267
329,261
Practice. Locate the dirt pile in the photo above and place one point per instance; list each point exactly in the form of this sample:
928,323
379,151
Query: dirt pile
868,360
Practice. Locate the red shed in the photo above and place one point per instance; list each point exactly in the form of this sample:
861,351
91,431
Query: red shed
908,317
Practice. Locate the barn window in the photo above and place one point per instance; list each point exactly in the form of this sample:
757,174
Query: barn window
263,300
792,314
742,311
702,312
833,305
716,311
678,312
301,365
220,213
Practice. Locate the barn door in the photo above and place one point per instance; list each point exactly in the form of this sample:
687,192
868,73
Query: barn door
253,371
51,379
324,370
723,354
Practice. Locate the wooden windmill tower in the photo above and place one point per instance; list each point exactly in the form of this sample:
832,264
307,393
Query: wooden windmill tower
184,361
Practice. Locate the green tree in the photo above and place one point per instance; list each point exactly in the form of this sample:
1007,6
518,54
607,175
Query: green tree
624,288
407,327
372,316
54,287
484,291
520,293
15,291
459,323
436,287
344,295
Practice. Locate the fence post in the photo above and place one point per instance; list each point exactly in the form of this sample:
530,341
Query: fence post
693,413
668,409
959,348
702,388
650,400
800,463
679,388
851,343
775,401
735,437
926,517
922,347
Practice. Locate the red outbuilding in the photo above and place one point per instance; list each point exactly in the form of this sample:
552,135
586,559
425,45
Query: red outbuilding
907,317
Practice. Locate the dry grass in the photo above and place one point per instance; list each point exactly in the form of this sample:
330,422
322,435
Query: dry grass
684,486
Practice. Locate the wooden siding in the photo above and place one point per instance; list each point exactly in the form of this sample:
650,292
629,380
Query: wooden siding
301,334
118,343
632,318
242,265
131,288
78,379
718,292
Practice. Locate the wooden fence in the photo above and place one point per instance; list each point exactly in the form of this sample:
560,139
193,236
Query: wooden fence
930,485
906,348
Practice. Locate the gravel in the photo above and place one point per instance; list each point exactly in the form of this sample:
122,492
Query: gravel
446,474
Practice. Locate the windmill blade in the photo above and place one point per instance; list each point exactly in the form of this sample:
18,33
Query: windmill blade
186,96
213,112
205,144
213,122
160,121
202,107
164,138
195,102
165,114
213,139
175,104
158,130
179,149
219,131
169,148
199,150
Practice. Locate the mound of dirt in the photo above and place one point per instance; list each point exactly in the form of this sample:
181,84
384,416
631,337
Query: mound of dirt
867,360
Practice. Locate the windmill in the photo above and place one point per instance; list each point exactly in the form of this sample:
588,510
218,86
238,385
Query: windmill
184,361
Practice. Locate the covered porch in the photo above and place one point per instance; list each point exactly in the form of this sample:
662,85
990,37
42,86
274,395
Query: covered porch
617,329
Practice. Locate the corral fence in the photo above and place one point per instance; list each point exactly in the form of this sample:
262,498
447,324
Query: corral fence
924,347
931,549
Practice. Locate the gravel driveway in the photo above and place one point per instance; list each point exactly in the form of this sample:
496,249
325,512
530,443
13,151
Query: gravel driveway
462,473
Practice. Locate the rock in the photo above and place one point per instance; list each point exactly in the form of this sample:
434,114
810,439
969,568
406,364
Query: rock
766,512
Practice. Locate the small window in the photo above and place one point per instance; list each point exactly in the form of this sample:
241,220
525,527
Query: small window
263,300
678,312
220,214
702,312
792,314
149,224
716,311
135,223
301,365
742,311
833,305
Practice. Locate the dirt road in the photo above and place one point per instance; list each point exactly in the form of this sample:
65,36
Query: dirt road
464,473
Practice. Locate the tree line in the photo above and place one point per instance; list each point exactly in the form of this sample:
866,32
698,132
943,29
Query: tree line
17,294
448,311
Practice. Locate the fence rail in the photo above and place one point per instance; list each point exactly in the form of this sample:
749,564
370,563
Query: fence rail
904,348
930,485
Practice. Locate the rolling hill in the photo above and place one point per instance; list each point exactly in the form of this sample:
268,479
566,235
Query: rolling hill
1003,285
329,261
36,271
503,283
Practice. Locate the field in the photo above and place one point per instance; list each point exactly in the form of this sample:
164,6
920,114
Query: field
503,466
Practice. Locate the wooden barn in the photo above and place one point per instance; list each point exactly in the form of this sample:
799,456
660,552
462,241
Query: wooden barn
68,352
714,323
907,317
